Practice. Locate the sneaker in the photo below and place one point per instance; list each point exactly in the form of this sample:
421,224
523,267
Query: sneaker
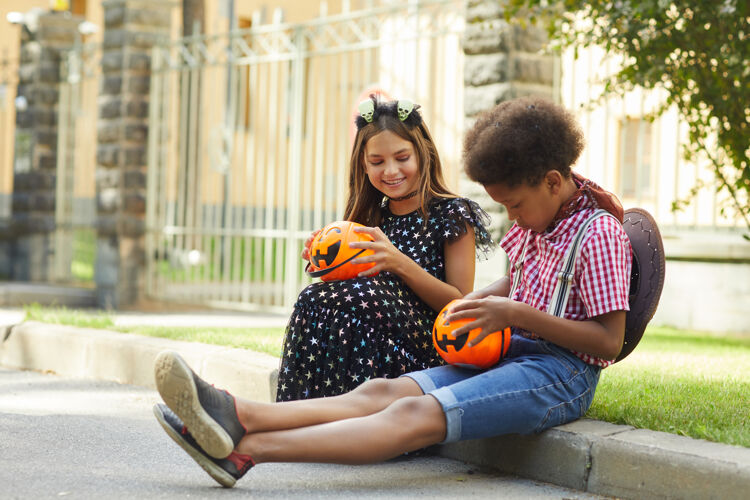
209,413
226,471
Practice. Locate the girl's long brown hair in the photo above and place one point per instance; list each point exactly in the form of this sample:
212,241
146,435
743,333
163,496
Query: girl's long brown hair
364,201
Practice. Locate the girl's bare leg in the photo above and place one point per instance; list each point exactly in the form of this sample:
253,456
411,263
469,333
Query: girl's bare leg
407,424
370,397
219,422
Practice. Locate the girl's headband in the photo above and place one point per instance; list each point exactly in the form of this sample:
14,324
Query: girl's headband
370,109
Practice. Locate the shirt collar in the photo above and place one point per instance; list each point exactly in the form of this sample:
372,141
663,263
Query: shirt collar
587,195
579,201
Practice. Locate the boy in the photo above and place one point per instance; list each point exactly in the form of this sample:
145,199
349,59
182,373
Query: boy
521,152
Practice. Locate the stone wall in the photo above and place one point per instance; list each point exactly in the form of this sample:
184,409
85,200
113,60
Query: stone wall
132,28
502,62
35,159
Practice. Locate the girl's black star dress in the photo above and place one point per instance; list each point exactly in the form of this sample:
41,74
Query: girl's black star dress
342,333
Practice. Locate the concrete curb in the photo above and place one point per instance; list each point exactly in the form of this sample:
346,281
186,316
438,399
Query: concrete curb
617,460
129,359
16,294
587,455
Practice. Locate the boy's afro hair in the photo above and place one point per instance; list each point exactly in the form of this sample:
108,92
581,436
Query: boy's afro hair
520,140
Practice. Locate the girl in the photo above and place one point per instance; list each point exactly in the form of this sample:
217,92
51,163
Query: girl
343,333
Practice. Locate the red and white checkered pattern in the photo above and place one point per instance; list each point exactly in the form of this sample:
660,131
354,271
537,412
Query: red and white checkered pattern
602,272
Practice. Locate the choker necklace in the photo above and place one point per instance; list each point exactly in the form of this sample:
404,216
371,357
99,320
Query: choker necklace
406,197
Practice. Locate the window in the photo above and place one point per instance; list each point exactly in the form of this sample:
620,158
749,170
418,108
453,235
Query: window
635,164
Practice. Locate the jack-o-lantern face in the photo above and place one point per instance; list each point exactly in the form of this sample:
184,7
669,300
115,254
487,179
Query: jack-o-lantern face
330,254
324,257
456,351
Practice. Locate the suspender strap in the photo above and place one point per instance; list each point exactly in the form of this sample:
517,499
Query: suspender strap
560,295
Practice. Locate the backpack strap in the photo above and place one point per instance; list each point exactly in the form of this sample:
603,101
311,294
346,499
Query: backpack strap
560,295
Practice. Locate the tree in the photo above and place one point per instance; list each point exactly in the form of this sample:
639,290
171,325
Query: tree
698,51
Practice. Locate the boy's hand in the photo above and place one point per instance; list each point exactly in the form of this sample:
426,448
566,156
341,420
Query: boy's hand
491,314
476,294
308,242
386,256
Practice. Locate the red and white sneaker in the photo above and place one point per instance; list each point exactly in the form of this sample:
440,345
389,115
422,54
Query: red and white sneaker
226,471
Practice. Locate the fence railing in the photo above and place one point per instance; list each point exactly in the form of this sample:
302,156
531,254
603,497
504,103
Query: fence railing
75,189
250,134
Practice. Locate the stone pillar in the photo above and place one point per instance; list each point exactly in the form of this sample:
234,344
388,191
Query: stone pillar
502,61
35,157
132,28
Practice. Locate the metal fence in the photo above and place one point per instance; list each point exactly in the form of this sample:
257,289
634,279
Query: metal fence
250,133
75,188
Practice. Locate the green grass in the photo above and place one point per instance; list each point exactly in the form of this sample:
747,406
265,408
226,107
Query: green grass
688,383
84,255
267,340
71,317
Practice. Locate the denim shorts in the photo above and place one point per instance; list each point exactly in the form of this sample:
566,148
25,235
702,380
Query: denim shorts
536,386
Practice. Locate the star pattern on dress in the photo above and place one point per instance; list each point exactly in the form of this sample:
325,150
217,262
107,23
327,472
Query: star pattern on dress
343,333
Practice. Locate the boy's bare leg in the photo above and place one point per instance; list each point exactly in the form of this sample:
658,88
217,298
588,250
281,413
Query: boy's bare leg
407,424
369,398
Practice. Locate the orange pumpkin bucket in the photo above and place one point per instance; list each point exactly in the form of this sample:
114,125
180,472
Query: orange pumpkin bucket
456,350
331,255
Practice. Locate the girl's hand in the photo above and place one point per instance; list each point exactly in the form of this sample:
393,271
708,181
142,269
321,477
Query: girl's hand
491,314
308,242
385,255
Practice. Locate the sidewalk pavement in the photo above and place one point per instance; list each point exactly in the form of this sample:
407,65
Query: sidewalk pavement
587,455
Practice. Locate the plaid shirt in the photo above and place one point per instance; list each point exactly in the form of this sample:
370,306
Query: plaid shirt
601,281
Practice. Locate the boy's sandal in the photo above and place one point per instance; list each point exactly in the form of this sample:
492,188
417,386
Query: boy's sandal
647,275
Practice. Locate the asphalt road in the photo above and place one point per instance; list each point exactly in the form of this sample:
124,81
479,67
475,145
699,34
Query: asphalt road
68,438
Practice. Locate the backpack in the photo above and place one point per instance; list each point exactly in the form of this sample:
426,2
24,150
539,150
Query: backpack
646,277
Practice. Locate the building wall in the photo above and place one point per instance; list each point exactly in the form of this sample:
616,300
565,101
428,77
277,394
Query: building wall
706,296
